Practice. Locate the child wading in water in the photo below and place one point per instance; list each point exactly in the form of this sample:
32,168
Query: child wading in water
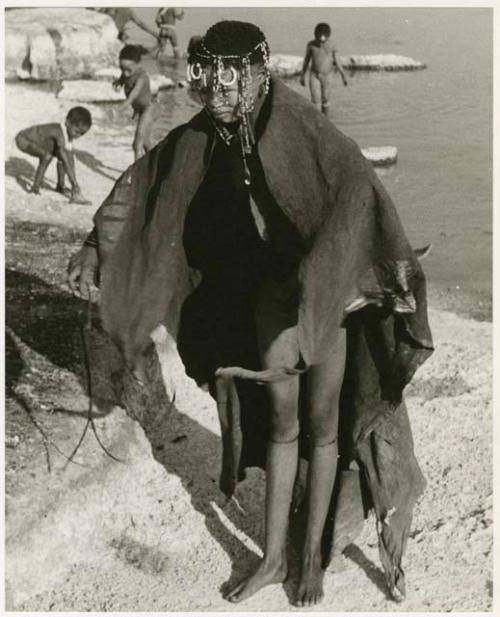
135,81
165,20
46,141
324,63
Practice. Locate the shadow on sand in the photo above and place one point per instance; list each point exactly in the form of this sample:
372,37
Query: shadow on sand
192,452
49,321
96,165
375,574
23,172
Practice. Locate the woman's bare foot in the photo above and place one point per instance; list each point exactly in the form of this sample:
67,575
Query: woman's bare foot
266,574
310,590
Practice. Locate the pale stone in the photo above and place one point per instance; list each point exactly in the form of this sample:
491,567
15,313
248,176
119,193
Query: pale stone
111,73
101,91
381,155
285,65
90,91
160,82
157,80
381,62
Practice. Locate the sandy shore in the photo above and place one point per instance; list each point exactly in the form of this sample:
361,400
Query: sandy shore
153,533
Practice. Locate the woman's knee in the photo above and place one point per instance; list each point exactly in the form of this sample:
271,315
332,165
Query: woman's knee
284,423
323,425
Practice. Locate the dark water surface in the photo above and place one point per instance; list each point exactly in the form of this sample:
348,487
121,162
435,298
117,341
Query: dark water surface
440,119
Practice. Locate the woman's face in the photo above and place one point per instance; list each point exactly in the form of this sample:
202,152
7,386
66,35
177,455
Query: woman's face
223,106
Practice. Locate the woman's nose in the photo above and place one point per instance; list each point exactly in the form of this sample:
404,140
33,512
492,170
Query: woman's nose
215,97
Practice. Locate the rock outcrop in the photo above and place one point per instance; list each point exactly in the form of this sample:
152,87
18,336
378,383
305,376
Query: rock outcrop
89,91
54,43
381,156
284,65
102,91
381,62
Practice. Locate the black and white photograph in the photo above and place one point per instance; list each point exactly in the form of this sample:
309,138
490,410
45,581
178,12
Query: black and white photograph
248,307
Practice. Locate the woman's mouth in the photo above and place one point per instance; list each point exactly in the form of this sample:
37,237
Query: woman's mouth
220,111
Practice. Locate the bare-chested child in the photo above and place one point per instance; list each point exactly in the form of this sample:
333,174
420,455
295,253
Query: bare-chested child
122,16
165,20
135,81
46,141
324,63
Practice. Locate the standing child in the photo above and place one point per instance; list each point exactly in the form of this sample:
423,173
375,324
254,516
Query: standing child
46,141
165,20
135,81
122,16
323,57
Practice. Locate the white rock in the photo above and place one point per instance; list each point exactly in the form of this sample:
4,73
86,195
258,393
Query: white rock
157,81
160,82
111,73
284,65
381,155
89,91
54,43
381,62
101,90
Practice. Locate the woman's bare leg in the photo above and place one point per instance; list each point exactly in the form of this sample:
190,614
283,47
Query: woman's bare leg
281,467
324,385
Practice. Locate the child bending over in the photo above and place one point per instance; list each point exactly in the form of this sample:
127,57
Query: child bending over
135,81
322,56
46,141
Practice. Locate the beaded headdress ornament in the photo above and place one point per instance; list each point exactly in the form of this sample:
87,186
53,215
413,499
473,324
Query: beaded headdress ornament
220,71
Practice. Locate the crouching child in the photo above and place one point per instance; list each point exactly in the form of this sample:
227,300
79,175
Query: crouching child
55,140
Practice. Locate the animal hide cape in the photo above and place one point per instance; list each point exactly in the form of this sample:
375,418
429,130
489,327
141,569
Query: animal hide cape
359,272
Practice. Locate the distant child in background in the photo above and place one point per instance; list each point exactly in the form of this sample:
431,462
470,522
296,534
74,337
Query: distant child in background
165,20
324,63
135,81
46,141
122,16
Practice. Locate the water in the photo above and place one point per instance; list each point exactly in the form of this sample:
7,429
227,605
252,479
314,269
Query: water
440,119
